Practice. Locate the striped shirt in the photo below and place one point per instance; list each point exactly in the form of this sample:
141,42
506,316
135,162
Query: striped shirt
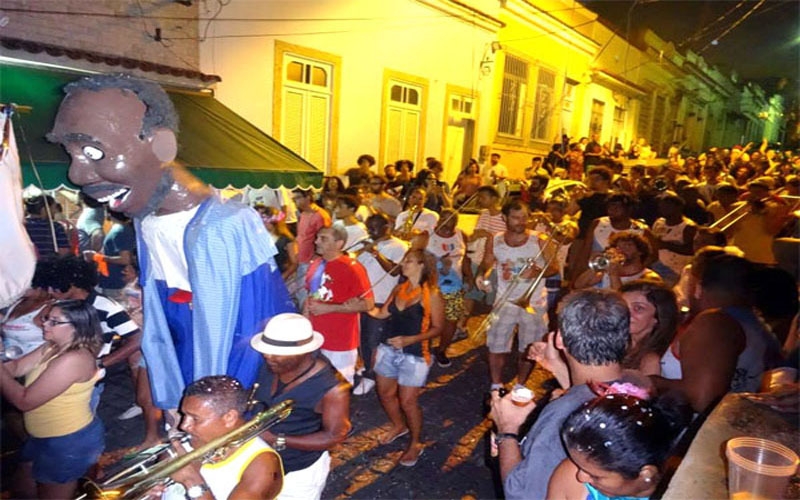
39,232
113,318
494,224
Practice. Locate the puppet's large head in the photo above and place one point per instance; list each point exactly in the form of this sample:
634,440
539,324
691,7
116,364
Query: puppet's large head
120,132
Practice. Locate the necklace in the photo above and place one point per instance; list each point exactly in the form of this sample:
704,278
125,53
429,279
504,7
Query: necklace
280,386
406,294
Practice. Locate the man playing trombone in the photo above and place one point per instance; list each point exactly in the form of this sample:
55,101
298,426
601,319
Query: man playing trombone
523,259
212,407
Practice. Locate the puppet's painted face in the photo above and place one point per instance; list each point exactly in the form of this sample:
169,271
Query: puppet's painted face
101,132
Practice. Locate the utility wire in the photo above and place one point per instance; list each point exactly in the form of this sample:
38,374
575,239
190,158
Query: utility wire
699,34
734,25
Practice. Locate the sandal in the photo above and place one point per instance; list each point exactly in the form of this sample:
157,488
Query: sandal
394,438
412,463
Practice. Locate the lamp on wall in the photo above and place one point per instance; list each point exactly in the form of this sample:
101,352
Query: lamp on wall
488,58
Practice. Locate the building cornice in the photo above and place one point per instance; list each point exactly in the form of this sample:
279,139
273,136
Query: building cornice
555,28
104,63
466,13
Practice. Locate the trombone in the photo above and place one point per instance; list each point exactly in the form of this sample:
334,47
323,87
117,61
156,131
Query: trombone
738,213
135,481
735,215
523,302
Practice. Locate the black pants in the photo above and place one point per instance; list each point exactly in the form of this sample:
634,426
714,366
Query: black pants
372,333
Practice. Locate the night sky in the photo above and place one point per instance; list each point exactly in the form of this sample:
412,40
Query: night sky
765,46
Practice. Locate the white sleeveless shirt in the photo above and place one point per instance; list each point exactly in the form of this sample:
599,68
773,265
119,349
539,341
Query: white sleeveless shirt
21,332
510,261
223,476
672,234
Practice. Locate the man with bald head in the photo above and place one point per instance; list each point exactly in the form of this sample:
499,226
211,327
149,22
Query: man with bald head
210,280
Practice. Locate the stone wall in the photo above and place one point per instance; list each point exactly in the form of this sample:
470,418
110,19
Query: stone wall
109,27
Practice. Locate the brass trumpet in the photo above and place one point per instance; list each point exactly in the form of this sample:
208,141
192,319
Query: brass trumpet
135,481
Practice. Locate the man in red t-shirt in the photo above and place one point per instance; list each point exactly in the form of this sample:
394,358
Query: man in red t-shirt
338,290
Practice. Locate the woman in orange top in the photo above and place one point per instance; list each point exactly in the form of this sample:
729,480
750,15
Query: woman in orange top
415,312
66,437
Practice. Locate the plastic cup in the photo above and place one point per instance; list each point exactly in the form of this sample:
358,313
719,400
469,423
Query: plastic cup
521,396
758,468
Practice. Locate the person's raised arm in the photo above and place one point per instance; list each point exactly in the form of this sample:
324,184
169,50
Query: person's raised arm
485,267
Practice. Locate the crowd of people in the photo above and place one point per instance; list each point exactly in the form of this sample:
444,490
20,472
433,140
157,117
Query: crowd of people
620,288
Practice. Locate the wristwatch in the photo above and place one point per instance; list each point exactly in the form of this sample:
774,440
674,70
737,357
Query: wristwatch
502,436
280,442
196,491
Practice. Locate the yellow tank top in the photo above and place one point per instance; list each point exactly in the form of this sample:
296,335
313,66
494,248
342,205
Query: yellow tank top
223,476
64,414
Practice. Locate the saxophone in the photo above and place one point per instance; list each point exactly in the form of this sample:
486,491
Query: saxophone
408,225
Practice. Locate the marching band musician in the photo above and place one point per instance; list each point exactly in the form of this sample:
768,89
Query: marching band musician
416,217
212,407
624,261
520,255
756,231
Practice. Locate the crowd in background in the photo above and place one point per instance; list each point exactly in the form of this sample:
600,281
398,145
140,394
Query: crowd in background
701,252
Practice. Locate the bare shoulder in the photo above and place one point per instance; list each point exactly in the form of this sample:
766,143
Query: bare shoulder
564,484
79,364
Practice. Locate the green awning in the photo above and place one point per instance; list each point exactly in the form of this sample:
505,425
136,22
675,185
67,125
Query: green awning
216,144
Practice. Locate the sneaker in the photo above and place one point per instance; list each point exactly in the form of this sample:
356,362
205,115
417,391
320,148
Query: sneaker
132,412
363,387
442,359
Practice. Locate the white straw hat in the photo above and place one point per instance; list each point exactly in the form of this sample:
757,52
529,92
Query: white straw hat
287,334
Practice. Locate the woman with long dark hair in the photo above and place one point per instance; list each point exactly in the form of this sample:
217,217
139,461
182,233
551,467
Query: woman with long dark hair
66,437
415,312
654,321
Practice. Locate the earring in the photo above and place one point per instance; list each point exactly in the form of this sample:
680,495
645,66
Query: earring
647,480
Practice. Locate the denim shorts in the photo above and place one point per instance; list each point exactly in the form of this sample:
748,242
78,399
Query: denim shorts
409,370
65,458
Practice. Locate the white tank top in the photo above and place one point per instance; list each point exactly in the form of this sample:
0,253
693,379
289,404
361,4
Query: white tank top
454,246
21,332
604,230
222,477
673,234
510,261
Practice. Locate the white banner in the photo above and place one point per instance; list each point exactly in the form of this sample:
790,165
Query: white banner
17,254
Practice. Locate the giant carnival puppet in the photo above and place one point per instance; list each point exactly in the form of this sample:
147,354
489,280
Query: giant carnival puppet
209,278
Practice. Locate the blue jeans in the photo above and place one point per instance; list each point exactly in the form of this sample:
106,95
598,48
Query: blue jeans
409,370
63,459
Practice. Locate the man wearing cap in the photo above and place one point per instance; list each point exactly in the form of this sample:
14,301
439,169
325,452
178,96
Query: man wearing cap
320,416
339,290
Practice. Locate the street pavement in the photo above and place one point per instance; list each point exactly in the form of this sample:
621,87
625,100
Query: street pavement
454,464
